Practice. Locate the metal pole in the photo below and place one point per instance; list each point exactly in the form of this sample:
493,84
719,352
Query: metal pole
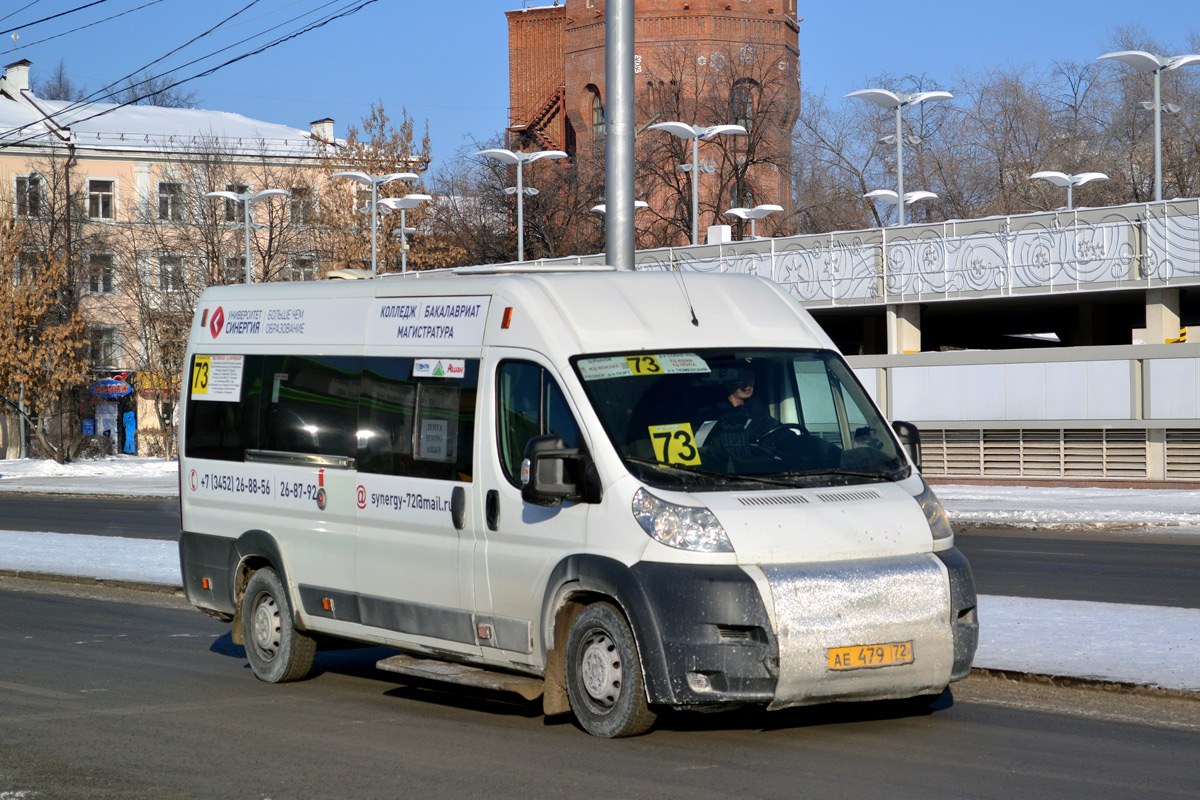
899,165
520,209
620,134
695,190
374,222
1158,135
246,216
403,243
1070,200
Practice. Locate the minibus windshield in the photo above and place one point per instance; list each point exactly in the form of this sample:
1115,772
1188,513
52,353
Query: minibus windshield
729,419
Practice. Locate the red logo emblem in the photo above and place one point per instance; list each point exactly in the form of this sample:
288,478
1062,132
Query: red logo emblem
362,497
218,320
192,480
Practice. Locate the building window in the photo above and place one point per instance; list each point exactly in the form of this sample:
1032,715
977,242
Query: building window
100,199
302,205
170,201
743,195
233,210
304,268
25,265
29,196
233,270
100,273
170,273
102,347
597,114
742,105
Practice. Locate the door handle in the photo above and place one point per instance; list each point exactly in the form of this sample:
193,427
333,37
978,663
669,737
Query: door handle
458,507
493,510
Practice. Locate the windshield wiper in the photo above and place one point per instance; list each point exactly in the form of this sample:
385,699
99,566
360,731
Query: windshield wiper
710,474
838,471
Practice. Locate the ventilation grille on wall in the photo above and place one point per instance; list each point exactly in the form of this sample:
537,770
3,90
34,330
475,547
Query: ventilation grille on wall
1063,453
1183,454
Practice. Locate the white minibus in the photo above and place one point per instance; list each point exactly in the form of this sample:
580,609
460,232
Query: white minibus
617,491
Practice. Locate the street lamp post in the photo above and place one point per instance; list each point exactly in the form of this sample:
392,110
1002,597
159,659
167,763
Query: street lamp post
898,101
374,181
248,199
890,197
696,133
754,214
1148,62
520,159
403,204
1069,181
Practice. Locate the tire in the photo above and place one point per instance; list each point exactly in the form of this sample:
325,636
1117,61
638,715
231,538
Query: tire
276,650
604,675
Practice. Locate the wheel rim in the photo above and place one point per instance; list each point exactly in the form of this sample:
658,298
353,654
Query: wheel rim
265,627
600,669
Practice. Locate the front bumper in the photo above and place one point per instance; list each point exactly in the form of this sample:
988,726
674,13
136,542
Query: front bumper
926,599
707,638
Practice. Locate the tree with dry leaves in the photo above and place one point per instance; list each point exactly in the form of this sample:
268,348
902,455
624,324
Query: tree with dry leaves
43,352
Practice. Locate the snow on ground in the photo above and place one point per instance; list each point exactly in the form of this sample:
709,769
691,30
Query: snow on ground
1146,645
129,476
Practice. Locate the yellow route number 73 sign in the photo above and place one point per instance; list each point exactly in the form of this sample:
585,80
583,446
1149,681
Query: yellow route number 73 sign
675,444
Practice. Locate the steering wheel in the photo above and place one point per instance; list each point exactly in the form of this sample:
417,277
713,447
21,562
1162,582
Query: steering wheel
799,430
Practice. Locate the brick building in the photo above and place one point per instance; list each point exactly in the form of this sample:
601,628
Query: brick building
702,62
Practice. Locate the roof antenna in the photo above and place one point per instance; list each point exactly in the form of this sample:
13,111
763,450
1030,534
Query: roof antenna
678,270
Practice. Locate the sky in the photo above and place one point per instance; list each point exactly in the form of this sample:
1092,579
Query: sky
1146,645
448,62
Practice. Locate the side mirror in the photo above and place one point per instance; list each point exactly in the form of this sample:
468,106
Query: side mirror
910,440
552,473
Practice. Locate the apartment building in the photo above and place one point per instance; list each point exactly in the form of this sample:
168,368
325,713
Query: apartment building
119,192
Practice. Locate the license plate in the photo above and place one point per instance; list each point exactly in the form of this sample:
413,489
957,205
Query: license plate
870,656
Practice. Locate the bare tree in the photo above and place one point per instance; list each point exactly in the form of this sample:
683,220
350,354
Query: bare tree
148,89
59,86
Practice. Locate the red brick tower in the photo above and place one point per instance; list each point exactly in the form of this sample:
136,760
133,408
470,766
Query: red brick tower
703,62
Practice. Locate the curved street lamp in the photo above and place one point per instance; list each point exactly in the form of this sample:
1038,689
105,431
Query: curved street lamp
602,207
403,204
696,133
890,197
898,101
374,181
520,159
248,199
1148,62
754,214
1069,181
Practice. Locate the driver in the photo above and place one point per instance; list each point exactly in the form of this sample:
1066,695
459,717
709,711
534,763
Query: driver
739,413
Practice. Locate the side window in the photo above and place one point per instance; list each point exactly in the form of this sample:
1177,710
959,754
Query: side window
529,403
310,404
417,419
817,409
220,426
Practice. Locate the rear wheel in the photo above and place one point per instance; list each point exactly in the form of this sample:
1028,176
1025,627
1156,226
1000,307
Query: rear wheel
604,675
276,650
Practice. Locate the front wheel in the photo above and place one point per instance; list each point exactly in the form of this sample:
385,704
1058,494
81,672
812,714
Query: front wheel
276,650
604,675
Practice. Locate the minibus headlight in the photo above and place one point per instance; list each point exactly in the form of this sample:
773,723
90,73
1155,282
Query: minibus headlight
939,523
685,527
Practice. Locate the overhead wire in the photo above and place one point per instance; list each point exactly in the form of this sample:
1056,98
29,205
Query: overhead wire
53,16
19,10
308,27
91,24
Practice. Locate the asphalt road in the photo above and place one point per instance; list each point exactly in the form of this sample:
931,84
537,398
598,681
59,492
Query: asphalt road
107,696
1104,566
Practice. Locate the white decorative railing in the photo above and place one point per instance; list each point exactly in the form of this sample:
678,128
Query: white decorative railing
1142,245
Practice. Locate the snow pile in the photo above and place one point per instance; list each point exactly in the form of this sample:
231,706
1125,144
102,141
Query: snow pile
1058,507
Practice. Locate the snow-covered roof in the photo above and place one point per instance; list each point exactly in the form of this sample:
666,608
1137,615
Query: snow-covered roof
113,127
